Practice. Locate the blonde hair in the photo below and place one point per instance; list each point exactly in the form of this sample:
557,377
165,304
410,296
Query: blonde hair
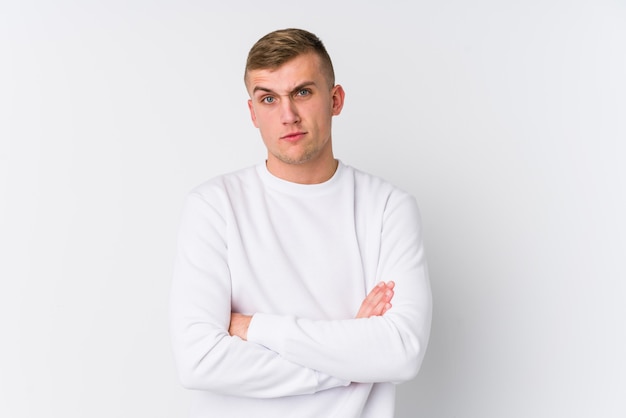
278,47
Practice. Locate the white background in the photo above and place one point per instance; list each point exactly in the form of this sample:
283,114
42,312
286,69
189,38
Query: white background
505,119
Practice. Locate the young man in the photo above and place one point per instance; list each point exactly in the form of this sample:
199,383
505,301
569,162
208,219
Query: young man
300,287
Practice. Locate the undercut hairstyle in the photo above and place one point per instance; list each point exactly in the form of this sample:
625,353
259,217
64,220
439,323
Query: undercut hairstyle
278,47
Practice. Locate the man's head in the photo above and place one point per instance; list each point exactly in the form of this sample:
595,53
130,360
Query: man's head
278,47
293,98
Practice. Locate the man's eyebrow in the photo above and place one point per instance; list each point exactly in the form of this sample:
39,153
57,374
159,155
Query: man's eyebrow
260,88
303,85
296,89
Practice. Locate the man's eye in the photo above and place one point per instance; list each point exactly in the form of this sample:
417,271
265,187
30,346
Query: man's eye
304,92
268,99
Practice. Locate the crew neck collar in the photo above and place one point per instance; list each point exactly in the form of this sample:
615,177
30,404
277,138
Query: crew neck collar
276,183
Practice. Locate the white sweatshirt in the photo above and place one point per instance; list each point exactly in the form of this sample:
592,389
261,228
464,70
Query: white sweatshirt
301,259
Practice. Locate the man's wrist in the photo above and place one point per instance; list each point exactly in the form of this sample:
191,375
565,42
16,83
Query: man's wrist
239,325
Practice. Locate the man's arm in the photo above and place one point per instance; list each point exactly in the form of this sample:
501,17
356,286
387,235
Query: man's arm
387,348
377,302
207,357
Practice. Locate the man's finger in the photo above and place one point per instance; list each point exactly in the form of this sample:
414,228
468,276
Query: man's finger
377,301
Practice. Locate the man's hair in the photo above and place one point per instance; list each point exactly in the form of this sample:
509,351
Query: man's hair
278,47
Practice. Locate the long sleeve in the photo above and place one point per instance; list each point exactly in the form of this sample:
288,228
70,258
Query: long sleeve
389,348
207,357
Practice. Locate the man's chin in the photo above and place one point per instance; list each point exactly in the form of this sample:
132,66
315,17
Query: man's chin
295,159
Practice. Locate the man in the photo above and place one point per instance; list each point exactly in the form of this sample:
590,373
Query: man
300,287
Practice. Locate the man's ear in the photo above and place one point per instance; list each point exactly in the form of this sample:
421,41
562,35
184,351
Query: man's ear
338,96
252,114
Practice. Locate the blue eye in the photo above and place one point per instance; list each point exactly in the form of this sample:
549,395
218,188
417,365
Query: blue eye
268,99
304,92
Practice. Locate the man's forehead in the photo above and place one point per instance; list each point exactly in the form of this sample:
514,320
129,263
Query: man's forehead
302,69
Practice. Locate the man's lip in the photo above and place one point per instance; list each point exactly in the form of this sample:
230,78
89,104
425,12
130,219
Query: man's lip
293,136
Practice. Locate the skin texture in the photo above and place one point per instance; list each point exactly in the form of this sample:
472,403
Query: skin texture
293,106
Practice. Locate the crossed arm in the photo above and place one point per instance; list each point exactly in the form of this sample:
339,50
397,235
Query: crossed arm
376,303
290,355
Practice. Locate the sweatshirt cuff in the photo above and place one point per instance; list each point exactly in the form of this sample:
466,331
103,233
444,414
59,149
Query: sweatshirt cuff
269,331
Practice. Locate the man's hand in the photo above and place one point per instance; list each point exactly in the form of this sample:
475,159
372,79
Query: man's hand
378,301
239,324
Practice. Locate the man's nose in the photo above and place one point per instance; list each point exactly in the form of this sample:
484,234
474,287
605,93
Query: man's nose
289,112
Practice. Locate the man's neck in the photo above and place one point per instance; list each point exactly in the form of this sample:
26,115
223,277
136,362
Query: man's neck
305,173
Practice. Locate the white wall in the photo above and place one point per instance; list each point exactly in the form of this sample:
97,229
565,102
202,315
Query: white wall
505,119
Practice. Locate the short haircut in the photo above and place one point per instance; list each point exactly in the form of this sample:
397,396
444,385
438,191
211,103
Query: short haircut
278,47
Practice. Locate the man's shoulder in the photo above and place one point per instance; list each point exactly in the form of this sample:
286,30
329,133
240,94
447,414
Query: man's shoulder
371,183
377,197
222,183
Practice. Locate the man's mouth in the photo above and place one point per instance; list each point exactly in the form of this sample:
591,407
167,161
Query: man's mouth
293,136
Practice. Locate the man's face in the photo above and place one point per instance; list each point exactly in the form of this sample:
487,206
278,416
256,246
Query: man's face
293,106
